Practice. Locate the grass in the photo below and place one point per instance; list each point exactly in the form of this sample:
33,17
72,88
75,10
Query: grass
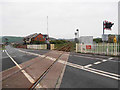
58,46
2,48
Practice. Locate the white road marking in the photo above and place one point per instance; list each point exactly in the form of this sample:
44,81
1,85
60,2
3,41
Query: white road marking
97,63
87,66
31,53
99,72
105,72
104,60
110,58
87,57
61,75
23,71
93,71
95,58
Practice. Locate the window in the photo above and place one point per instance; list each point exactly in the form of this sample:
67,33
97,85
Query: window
37,39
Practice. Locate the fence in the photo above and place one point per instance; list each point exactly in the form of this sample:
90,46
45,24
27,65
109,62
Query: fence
21,46
41,46
101,48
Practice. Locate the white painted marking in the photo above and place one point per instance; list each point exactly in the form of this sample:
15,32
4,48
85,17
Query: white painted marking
61,75
32,53
105,72
87,66
97,63
99,72
94,58
87,57
23,71
110,58
104,60
87,69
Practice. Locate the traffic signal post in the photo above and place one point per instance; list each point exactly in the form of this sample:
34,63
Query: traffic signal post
107,25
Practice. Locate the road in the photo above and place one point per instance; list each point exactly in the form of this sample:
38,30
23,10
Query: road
18,56
82,70
80,78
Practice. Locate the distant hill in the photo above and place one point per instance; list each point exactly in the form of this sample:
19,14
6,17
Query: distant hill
12,39
52,38
66,39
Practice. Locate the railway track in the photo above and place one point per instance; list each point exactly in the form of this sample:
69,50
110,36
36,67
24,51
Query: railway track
66,48
37,82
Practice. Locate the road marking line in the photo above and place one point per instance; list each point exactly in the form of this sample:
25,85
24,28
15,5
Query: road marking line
104,60
23,71
31,53
105,72
99,72
87,66
110,58
87,69
95,58
87,57
62,73
97,63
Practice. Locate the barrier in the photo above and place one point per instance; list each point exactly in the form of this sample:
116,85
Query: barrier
99,48
41,46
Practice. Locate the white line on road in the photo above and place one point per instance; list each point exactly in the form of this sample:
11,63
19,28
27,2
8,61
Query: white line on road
23,71
87,66
31,53
104,60
99,72
95,58
96,72
105,72
97,63
110,58
87,57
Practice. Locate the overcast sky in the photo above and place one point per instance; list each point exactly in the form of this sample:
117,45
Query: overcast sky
21,17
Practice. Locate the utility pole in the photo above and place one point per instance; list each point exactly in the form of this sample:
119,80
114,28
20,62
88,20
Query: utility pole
103,28
103,31
47,25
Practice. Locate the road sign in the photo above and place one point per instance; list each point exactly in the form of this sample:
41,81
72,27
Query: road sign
88,46
104,37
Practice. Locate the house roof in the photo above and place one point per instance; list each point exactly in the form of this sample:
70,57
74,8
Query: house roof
35,35
31,35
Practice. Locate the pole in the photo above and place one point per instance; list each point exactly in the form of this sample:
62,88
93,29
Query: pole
47,25
103,27
103,37
77,35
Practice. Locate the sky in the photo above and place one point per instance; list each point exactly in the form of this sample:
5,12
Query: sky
24,17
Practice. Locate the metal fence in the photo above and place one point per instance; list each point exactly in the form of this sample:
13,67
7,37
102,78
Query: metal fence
100,48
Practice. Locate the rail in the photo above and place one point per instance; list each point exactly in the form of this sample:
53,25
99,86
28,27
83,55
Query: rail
48,69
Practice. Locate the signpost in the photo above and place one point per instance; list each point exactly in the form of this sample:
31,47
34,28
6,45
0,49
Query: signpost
106,25
104,37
